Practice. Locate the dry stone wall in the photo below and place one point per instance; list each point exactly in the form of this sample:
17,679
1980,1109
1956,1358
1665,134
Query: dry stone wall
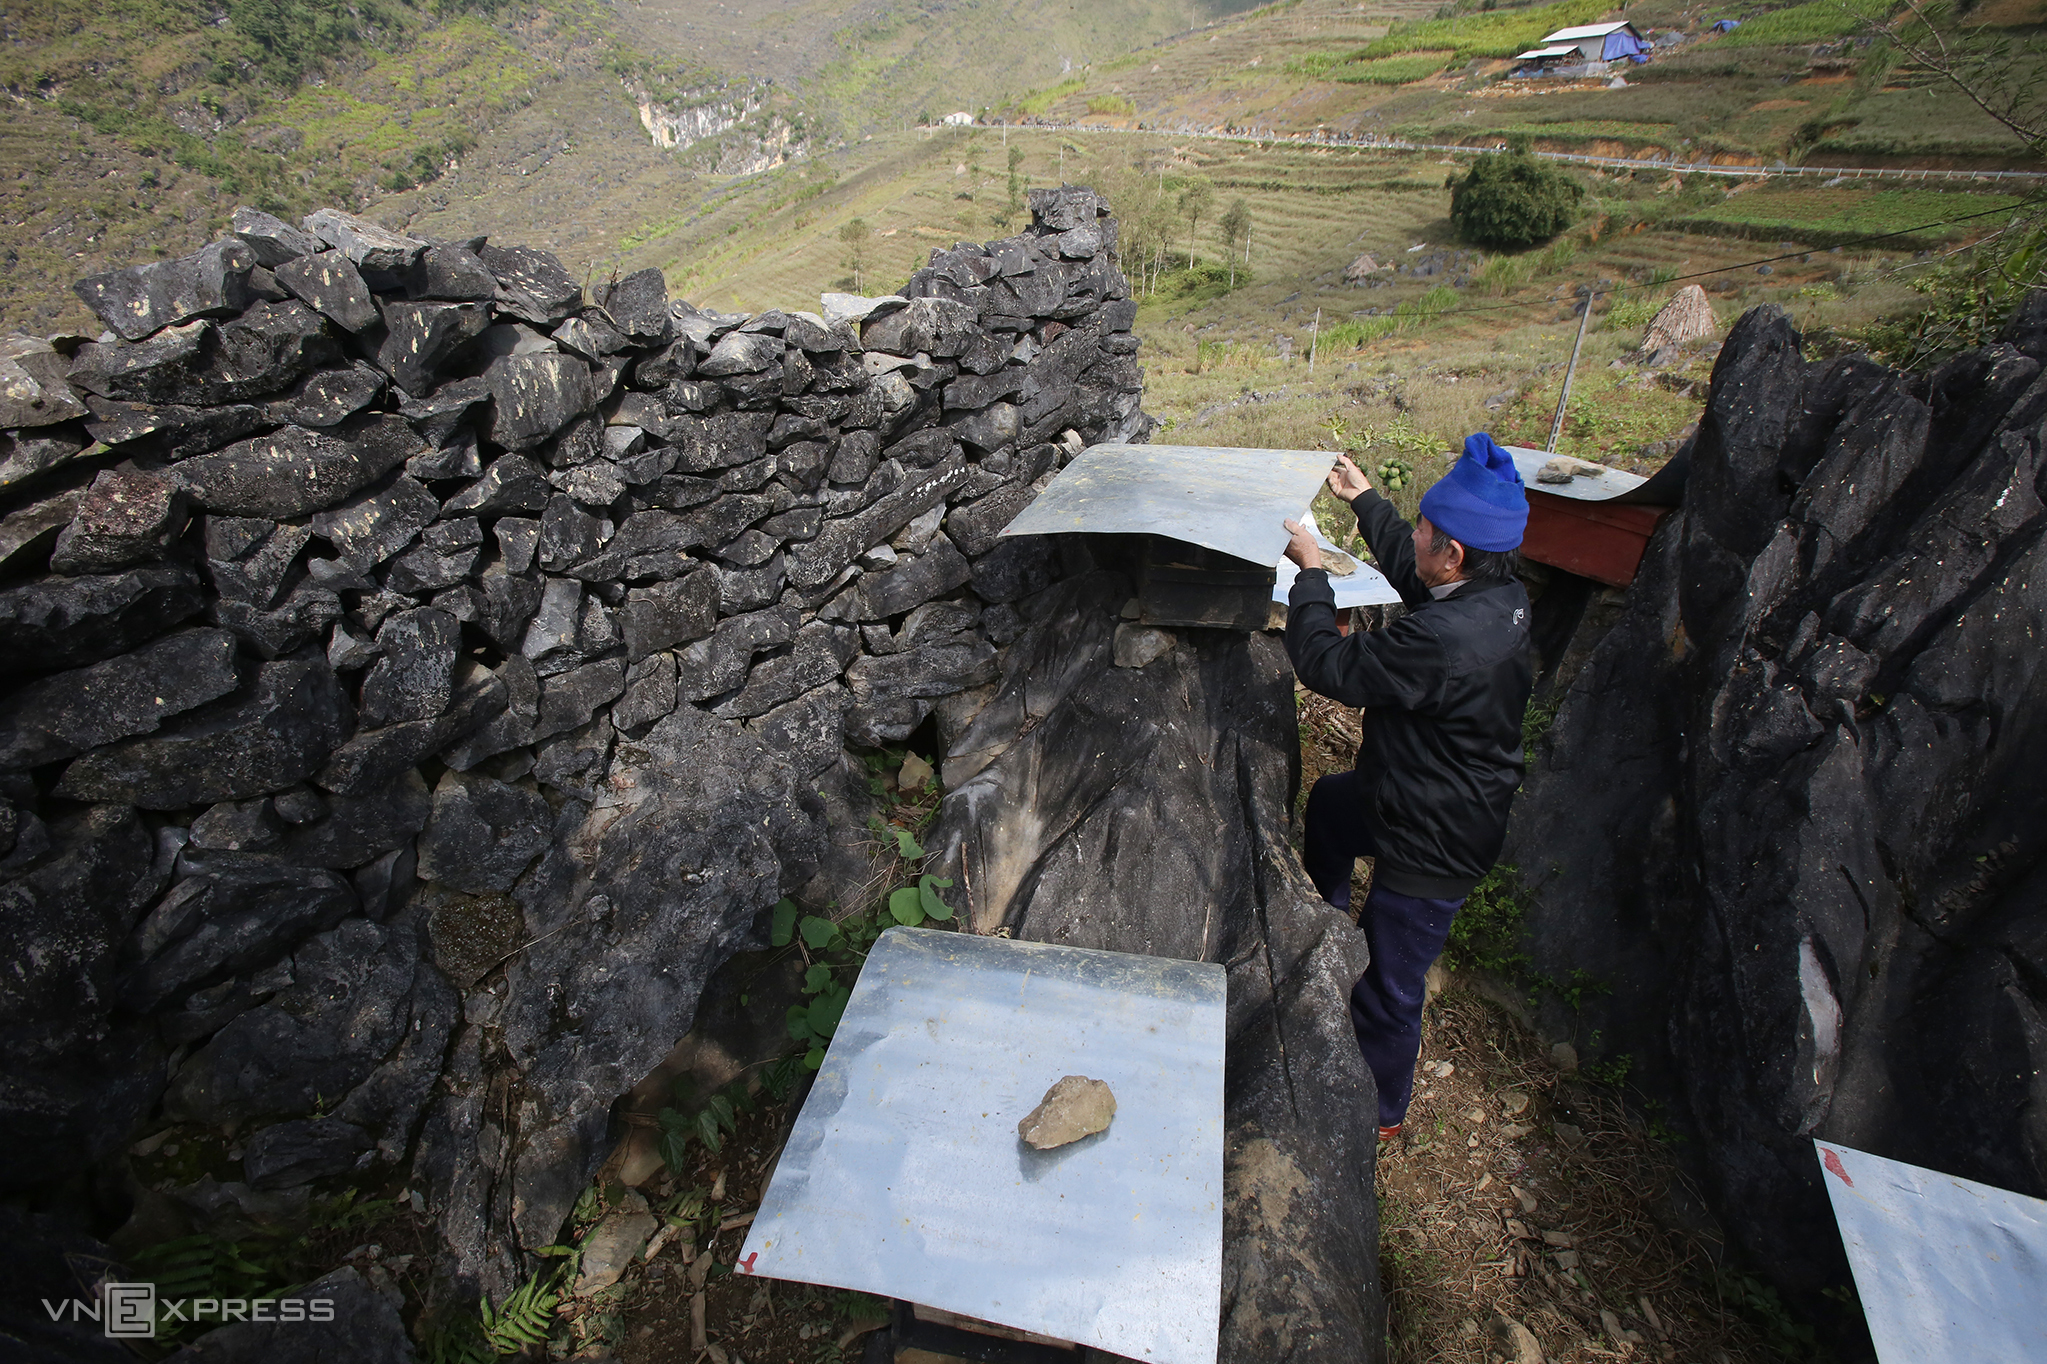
416,676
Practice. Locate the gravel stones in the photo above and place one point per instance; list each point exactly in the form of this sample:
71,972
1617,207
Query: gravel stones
1074,1107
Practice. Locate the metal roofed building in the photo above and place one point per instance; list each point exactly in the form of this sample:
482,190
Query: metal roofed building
1602,42
1540,60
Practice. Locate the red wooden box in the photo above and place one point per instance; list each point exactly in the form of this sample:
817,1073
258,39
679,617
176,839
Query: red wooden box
1599,540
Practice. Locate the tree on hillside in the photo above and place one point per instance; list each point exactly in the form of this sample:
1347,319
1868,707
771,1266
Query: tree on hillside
1016,157
1510,199
854,234
1235,226
1197,196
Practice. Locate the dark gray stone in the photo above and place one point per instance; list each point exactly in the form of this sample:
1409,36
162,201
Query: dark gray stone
414,678
297,471
568,699
354,994
419,338
940,327
231,912
535,396
704,827
818,655
163,368
28,535
144,299
33,390
482,834
893,694
238,826
719,441
843,540
329,282
373,758
287,1154
439,416
567,533
366,244
357,828
976,528
573,764
249,559
854,459
305,614
718,664
649,692
68,622
272,239
741,353
591,337
453,272
638,305
532,284
329,397
751,589
511,483
364,1328
670,613
371,529
893,591
273,732
1789,845
510,728
126,517
1013,570
170,432
123,696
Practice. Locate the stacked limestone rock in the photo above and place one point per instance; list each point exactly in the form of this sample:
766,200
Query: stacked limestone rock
416,676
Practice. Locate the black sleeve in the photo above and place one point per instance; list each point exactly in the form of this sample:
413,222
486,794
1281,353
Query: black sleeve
1401,666
1392,543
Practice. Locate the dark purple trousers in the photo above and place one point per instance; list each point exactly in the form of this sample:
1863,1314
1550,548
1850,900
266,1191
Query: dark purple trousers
1405,934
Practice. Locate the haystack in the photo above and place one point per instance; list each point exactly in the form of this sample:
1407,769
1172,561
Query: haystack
1687,317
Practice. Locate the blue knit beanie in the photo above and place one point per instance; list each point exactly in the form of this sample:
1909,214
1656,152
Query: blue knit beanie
1481,501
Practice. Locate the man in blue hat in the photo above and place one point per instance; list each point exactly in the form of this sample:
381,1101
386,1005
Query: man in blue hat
1443,690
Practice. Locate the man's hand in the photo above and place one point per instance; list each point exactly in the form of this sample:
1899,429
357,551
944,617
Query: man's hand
1346,480
1302,548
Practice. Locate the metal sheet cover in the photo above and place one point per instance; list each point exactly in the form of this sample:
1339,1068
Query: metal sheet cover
904,1175
1225,499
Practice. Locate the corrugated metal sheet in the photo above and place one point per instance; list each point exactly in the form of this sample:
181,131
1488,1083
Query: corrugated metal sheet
904,1175
1222,498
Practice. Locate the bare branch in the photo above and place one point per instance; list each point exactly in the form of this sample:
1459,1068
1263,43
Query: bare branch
1941,59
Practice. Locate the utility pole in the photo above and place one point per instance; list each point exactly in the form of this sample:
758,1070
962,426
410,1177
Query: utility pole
1556,427
1314,335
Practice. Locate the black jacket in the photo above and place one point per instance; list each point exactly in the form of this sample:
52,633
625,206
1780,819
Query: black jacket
1443,690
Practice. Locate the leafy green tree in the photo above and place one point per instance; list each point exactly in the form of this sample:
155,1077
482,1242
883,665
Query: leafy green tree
1510,200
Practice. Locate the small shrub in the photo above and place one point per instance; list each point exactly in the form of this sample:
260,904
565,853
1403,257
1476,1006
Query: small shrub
1509,200
1111,104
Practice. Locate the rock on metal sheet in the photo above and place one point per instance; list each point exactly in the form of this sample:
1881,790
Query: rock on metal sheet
1946,1268
1367,586
1604,486
904,1175
1219,497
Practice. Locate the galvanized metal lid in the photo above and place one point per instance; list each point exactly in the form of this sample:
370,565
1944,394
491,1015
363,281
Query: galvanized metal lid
904,1175
1223,498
